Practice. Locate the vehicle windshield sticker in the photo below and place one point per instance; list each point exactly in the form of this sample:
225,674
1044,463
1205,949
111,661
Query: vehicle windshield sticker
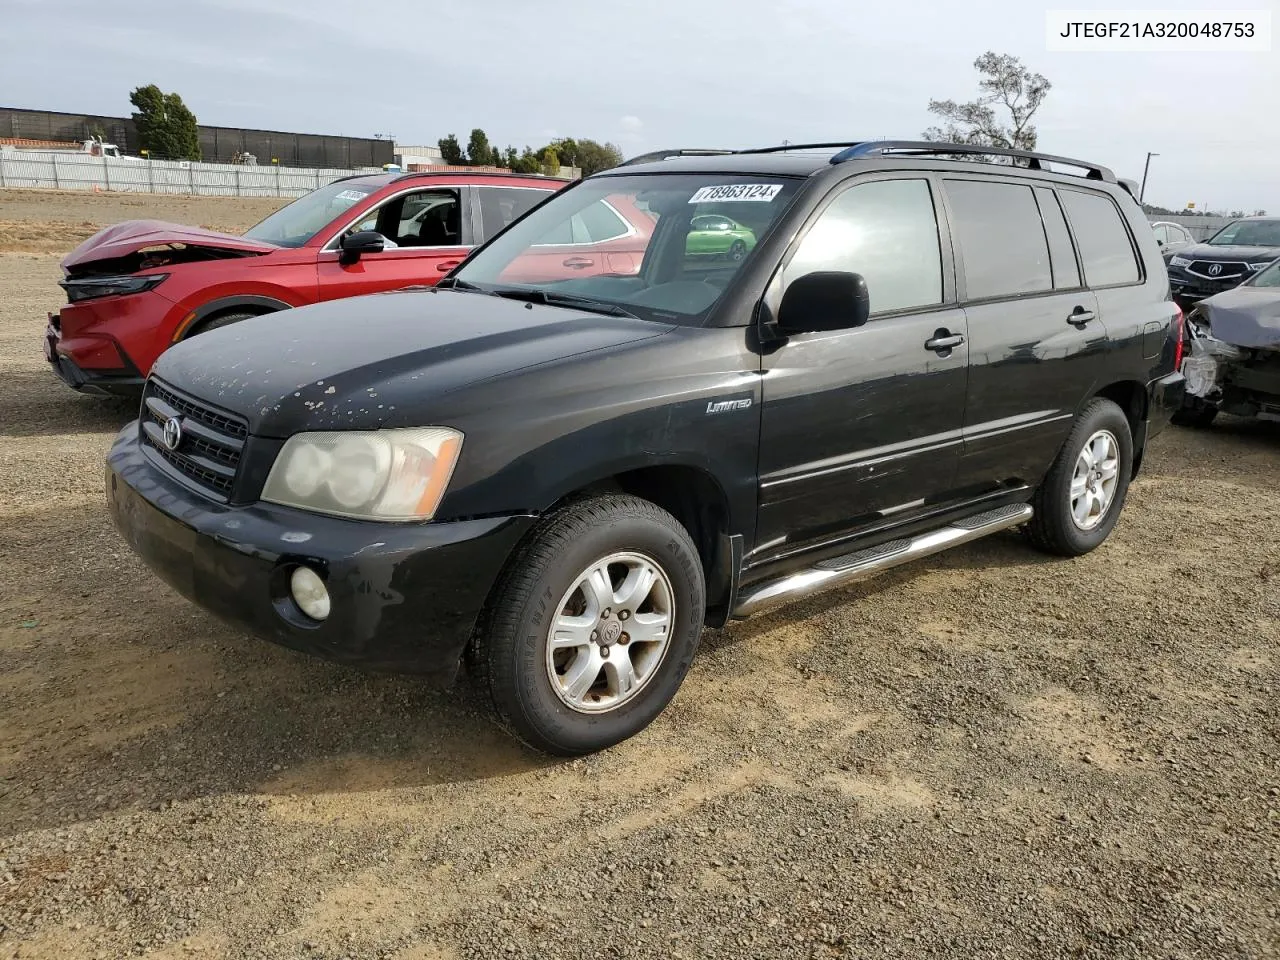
351,195
737,192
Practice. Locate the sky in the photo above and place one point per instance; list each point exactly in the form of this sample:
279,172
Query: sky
655,74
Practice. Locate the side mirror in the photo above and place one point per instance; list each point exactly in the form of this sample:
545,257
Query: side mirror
825,300
356,245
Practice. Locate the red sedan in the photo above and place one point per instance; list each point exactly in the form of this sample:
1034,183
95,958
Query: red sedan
137,287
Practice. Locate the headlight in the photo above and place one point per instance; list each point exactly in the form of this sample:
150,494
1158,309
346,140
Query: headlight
1179,262
90,288
1259,267
375,475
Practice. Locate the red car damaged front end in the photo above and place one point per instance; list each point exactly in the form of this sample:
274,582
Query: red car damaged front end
125,289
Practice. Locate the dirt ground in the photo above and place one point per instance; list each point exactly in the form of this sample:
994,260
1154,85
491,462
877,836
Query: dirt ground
989,754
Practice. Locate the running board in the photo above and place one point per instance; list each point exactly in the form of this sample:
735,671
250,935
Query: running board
863,564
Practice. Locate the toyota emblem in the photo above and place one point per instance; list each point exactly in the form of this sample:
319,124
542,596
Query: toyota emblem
172,433
1215,269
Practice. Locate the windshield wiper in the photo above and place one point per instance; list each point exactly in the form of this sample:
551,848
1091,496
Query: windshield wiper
552,298
453,283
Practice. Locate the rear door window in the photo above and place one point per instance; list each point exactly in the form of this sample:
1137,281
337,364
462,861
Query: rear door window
1002,239
500,205
1105,247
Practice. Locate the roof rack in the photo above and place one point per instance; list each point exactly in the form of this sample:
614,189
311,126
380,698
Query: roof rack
1035,161
783,148
668,154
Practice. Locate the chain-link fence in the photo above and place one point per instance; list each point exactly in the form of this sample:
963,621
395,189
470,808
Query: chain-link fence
73,171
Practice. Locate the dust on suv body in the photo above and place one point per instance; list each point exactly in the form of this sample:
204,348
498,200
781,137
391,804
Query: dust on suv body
562,481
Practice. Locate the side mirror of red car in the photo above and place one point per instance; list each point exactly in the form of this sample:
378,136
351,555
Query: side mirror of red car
356,245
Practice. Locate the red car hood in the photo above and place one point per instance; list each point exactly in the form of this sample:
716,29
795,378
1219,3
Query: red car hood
134,235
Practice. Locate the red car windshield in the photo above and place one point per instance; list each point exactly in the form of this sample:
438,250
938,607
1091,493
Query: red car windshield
295,224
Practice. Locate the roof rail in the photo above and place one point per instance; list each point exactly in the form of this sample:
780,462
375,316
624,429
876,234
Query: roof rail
1035,161
783,148
668,154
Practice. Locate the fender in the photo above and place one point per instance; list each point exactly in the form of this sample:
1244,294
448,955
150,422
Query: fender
222,305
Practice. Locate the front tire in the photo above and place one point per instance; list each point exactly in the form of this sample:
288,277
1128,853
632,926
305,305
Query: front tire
591,629
213,323
1079,502
737,251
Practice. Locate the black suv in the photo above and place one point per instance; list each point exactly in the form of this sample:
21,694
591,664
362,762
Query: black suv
1232,255
592,440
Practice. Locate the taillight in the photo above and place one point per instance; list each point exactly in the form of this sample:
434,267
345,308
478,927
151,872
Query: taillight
1178,329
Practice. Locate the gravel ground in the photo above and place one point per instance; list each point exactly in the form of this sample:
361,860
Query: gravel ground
989,754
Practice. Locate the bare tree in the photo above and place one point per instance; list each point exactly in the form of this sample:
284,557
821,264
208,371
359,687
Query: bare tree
1006,85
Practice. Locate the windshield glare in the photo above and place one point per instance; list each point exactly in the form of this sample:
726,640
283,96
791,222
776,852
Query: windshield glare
1248,233
659,246
1269,277
295,224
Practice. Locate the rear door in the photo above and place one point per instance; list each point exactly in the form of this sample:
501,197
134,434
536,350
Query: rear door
429,229
1035,336
862,427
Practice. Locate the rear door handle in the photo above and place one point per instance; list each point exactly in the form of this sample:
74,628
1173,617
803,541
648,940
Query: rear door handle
943,342
444,266
579,263
1079,317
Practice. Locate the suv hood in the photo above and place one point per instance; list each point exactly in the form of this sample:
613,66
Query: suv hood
380,360
1205,251
131,236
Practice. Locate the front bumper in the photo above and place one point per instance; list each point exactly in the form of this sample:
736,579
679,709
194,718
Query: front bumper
405,597
121,381
1189,288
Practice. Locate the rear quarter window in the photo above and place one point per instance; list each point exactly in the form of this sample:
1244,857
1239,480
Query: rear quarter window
1105,247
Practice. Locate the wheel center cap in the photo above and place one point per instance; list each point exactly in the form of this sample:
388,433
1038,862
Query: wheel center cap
610,631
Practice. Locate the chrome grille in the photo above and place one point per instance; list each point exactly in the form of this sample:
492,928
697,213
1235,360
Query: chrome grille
209,443
1228,270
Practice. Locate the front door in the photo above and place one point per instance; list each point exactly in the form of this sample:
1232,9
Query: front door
862,427
428,233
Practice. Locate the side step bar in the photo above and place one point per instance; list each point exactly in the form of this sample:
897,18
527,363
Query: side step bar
864,564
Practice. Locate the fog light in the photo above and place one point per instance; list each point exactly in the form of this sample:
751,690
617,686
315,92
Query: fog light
309,593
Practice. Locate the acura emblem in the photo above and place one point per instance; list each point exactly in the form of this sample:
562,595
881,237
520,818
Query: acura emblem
1215,269
172,433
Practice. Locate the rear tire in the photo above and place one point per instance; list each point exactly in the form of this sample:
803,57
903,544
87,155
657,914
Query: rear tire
738,251
559,649
213,323
1079,501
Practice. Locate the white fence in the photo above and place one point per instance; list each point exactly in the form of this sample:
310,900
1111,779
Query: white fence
75,171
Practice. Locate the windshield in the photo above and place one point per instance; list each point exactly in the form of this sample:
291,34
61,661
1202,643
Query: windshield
1248,233
1269,277
295,224
656,246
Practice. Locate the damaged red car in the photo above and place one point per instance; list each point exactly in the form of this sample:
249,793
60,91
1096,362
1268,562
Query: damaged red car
138,287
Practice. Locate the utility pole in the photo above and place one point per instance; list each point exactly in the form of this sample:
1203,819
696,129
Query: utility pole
1142,191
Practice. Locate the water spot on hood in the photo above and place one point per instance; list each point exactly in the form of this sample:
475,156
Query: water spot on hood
332,390
295,536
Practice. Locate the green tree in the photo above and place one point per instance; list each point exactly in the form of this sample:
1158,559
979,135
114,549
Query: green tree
550,160
479,153
451,151
167,129
1005,84
593,157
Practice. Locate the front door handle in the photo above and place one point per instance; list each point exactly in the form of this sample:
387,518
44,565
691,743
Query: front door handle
444,266
579,263
944,341
1080,317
